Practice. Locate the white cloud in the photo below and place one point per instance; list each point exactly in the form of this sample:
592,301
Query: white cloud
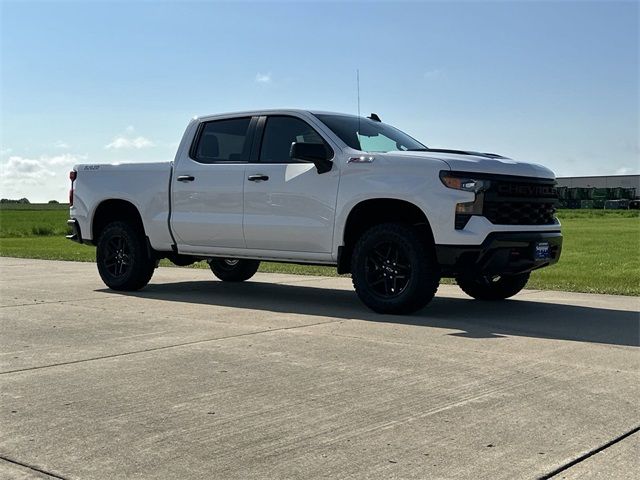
6,151
625,171
61,144
67,159
17,168
263,77
122,142
24,167
39,179
433,73
128,141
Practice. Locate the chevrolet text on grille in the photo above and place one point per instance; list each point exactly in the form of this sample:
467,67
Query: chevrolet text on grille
528,190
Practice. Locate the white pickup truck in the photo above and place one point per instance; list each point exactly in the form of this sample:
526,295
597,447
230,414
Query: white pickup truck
325,189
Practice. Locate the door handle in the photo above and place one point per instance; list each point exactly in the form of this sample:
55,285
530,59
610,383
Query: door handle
186,178
258,178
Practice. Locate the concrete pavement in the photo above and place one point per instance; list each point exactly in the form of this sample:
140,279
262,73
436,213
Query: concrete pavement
290,377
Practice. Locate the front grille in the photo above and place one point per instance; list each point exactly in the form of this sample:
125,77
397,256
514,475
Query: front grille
520,213
520,201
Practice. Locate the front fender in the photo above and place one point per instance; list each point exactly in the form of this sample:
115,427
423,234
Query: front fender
412,180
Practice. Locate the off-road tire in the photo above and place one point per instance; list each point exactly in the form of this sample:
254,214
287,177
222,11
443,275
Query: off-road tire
123,258
233,270
486,288
421,269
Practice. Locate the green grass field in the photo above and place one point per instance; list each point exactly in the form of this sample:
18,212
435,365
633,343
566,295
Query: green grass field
601,252
35,221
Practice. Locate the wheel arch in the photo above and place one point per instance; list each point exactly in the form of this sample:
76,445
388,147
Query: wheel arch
374,211
114,209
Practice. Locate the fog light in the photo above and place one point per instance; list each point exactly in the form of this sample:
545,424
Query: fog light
464,211
468,208
461,220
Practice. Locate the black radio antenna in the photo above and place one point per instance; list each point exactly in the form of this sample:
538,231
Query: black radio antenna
358,90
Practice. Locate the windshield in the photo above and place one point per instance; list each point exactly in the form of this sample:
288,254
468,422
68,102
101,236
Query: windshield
369,135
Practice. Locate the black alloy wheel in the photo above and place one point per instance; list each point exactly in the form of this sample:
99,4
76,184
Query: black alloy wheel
387,269
123,257
117,256
233,269
493,287
394,270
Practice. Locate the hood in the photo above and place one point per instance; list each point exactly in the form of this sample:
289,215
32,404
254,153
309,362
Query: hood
463,161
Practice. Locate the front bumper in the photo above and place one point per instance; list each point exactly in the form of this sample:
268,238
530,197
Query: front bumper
76,234
500,253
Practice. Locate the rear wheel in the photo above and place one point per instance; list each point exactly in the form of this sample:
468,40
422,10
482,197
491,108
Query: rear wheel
122,257
233,270
493,287
393,271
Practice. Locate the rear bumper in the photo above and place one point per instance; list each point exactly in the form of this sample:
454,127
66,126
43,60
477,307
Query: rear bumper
500,253
76,234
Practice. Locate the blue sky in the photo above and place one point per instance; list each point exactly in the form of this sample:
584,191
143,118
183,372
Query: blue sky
549,82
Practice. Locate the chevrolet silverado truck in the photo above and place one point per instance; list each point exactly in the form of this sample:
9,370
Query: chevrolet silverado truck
322,189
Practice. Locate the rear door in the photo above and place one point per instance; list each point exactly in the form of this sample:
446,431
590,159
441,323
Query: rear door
208,182
288,206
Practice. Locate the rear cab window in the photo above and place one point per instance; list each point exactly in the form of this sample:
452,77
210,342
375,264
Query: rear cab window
227,140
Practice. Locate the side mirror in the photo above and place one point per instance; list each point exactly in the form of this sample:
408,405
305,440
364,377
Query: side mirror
315,153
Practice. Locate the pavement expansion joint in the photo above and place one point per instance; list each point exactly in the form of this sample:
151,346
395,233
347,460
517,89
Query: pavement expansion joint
588,454
165,347
31,304
31,467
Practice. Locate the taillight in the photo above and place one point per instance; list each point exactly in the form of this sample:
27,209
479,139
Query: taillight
72,176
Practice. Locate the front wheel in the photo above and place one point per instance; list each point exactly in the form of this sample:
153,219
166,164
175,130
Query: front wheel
493,287
394,270
233,270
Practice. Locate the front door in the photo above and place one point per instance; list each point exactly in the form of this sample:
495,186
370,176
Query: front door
288,206
208,182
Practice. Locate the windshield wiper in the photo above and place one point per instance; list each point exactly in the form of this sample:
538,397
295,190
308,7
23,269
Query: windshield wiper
417,149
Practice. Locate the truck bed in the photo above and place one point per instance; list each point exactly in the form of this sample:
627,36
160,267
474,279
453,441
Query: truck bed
145,185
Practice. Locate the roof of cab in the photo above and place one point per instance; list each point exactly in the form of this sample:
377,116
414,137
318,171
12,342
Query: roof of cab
273,111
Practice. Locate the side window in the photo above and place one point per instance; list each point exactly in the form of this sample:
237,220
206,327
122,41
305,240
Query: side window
223,141
280,133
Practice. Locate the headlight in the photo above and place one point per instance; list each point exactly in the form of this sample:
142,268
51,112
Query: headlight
467,183
460,182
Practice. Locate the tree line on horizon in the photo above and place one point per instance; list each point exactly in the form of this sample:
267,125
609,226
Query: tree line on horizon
22,200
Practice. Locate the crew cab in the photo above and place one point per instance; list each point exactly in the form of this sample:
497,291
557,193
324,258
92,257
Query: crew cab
325,189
